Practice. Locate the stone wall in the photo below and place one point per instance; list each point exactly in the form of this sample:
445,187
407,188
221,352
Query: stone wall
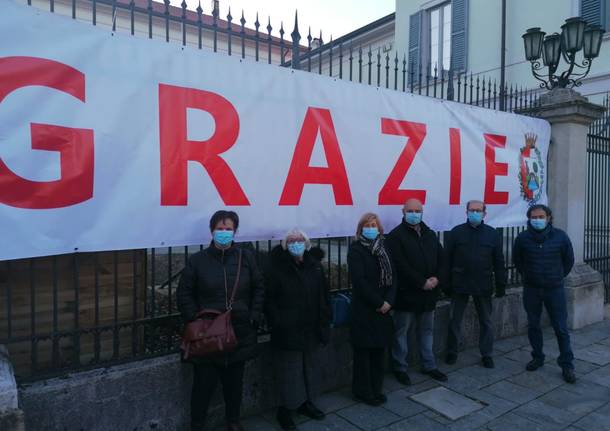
153,394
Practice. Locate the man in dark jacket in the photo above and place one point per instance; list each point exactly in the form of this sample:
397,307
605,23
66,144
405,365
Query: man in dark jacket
543,256
475,263
418,259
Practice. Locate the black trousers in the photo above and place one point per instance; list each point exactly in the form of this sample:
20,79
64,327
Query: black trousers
486,331
205,380
367,380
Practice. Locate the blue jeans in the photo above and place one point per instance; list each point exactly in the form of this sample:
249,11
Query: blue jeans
554,300
425,336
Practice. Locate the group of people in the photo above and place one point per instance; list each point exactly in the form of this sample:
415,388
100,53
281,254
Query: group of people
396,281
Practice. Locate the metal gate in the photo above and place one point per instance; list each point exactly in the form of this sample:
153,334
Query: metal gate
597,214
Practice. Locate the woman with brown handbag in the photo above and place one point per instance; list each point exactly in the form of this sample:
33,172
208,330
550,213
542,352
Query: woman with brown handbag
224,280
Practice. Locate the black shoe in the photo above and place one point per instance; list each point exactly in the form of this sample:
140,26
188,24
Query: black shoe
568,375
534,364
311,411
436,375
382,398
402,378
369,401
488,362
451,359
284,418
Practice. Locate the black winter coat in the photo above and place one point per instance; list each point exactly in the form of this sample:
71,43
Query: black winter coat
297,301
416,258
202,285
544,258
369,328
474,260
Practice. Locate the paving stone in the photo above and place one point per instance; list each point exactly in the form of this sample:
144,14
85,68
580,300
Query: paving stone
598,420
509,344
543,413
598,354
541,379
493,406
504,369
334,401
417,423
587,337
514,422
578,403
584,367
367,417
332,422
448,403
390,384
587,388
464,359
460,382
257,423
605,341
601,376
512,392
400,404
437,417
421,387
521,356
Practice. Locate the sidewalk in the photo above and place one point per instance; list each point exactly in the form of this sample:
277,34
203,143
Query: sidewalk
504,398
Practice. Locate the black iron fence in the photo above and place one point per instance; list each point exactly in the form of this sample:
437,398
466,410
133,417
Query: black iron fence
72,312
597,215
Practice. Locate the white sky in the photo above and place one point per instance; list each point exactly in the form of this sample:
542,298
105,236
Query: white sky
336,17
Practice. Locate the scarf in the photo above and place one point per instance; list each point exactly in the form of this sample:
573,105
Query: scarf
377,249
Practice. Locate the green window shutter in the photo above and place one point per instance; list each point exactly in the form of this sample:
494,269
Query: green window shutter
593,11
459,35
415,36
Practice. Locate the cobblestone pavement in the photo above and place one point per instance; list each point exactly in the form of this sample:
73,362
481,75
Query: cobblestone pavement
511,398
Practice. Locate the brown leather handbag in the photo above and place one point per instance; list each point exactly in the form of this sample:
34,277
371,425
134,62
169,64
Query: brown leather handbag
211,333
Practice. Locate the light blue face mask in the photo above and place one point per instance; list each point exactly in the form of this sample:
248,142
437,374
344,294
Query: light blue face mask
223,237
538,223
413,218
370,232
296,248
475,218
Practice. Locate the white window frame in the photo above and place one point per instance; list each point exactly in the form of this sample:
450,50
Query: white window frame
426,57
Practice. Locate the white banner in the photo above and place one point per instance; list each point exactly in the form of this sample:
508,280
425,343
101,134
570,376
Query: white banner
112,142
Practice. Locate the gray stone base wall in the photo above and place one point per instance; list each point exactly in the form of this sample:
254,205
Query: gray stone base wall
154,394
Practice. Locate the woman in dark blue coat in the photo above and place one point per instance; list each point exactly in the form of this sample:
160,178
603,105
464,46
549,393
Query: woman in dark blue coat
374,289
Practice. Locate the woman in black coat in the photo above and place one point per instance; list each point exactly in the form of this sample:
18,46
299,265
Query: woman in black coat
207,282
374,289
298,311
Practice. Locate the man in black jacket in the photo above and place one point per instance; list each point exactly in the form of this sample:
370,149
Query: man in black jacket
544,256
475,262
418,259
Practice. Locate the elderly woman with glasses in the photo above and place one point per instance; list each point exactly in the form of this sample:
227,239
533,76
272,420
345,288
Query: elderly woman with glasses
298,311
373,292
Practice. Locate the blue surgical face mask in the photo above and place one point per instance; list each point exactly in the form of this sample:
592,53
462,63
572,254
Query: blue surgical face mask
296,248
370,232
475,217
538,223
413,218
223,237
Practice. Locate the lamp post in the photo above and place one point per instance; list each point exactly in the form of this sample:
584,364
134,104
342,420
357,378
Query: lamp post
575,36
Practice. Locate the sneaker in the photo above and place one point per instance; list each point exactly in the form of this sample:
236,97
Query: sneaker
436,375
402,378
311,411
534,364
284,418
568,375
488,362
451,358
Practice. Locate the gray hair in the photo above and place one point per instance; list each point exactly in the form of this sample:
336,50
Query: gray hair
296,232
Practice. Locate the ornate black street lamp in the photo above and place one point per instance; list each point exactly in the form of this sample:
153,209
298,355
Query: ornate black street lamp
575,36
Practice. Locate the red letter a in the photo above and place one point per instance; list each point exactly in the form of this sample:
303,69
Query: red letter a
300,173
177,150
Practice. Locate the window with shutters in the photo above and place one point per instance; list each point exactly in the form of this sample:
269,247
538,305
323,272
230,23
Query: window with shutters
596,12
440,38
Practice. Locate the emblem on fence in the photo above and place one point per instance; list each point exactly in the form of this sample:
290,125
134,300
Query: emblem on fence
531,170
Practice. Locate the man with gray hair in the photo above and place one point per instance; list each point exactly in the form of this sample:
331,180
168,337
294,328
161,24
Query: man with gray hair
475,263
